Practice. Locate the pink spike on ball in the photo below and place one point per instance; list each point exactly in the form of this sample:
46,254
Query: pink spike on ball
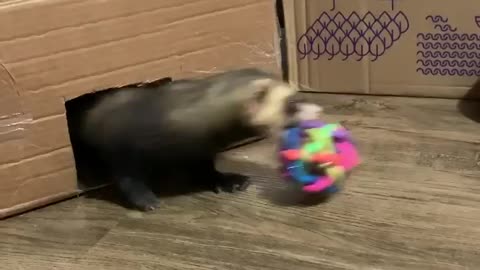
321,184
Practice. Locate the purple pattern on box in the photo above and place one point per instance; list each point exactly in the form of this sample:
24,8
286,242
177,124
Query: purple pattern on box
352,35
448,53
440,23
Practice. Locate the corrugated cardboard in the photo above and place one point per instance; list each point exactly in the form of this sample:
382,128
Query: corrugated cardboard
56,50
393,47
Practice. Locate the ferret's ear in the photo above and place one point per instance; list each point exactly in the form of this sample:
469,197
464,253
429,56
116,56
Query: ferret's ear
261,90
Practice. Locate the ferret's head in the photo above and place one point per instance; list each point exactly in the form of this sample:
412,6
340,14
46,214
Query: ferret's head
272,103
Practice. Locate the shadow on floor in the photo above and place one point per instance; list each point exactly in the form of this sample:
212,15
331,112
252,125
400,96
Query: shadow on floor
164,189
292,196
470,105
272,187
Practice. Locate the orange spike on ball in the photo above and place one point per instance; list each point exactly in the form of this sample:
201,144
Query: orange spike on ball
291,154
326,158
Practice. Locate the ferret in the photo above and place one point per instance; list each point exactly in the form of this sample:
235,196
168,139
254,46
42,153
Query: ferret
183,125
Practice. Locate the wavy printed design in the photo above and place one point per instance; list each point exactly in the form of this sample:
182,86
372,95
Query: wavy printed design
436,19
448,72
447,53
441,23
449,63
448,37
352,35
445,27
453,45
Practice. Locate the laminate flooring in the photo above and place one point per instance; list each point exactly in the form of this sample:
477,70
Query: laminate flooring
414,203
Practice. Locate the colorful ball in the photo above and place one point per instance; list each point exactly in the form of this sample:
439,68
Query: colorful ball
316,155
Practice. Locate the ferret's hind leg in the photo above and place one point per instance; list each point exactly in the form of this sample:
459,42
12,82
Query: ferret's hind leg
214,180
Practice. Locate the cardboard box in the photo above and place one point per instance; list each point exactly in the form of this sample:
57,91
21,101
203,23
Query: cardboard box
53,51
406,48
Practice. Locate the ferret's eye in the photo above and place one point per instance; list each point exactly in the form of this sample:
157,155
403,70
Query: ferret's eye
261,94
291,106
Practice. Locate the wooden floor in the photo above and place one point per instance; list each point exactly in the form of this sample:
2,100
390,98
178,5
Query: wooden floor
413,204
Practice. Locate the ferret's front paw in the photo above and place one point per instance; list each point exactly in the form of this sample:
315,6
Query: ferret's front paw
148,203
137,194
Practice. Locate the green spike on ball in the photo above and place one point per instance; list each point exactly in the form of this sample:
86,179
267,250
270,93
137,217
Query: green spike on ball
322,139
